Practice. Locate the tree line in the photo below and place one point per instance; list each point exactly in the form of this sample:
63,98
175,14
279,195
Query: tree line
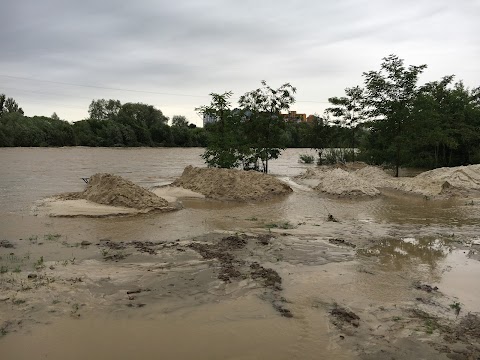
406,124
391,120
112,124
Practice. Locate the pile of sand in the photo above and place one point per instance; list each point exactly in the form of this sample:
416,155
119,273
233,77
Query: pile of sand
442,181
309,174
460,177
230,184
343,183
113,190
374,173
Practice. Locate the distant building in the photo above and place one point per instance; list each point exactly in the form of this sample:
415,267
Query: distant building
294,117
209,119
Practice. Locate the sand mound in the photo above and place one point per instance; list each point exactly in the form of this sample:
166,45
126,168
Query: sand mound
106,195
373,173
309,174
443,181
229,184
461,177
113,190
343,183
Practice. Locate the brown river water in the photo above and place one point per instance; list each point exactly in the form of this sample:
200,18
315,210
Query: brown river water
400,239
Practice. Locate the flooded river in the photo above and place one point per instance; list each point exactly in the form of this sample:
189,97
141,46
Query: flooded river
66,300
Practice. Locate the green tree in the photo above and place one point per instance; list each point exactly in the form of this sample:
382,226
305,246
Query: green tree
141,118
9,105
102,109
447,124
179,121
224,144
349,111
319,134
390,94
263,120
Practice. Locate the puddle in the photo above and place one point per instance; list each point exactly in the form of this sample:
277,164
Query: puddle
399,254
461,279
245,328
436,262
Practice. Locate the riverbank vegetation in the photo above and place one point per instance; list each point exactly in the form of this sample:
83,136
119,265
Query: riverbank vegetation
391,120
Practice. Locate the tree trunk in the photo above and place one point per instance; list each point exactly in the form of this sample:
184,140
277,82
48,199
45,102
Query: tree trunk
397,160
353,144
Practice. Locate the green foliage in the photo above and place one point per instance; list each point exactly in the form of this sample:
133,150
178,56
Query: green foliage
251,135
263,123
225,140
51,237
336,156
349,111
8,106
130,128
19,130
442,129
110,124
307,159
392,121
179,121
39,264
282,225
389,95
104,109
456,306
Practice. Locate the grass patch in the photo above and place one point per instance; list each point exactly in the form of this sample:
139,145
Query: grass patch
455,306
430,322
51,237
39,264
282,225
430,326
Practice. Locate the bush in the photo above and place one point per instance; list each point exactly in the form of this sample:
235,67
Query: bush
335,156
306,159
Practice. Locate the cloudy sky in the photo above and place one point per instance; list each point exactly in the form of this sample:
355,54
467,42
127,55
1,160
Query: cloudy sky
58,55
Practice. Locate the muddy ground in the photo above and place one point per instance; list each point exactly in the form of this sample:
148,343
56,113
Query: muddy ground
381,287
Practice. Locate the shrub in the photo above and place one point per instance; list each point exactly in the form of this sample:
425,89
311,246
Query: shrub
306,159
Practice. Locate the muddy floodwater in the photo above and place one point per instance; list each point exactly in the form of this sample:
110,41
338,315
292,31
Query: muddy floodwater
303,276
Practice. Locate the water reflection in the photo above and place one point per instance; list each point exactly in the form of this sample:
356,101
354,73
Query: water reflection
398,254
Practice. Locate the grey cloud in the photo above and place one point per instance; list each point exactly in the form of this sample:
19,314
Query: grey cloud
200,46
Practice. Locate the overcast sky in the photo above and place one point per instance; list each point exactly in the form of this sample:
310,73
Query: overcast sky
172,54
